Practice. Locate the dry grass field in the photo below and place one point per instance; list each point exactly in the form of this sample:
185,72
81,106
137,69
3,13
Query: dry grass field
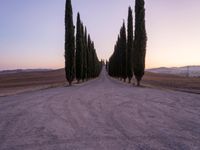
174,82
29,81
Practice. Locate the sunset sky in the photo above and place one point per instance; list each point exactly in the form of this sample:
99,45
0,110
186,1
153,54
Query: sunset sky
32,31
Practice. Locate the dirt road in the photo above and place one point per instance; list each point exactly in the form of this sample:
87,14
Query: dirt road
102,114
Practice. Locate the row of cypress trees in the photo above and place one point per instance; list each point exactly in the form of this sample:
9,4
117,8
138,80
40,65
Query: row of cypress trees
117,61
87,62
129,53
81,60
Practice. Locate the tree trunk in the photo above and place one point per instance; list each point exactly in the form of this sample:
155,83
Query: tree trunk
129,80
138,82
70,83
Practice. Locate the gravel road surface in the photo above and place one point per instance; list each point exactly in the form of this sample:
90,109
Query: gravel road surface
102,114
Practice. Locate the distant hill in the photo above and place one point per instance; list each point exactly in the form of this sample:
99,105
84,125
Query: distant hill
23,71
191,71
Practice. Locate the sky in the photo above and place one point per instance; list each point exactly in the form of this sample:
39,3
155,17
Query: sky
32,31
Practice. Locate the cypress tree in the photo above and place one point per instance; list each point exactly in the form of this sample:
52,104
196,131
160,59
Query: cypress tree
118,58
93,61
69,43
130,45
84,53
79,49
118,70
89,57
139,41
123,52
106,65
115,61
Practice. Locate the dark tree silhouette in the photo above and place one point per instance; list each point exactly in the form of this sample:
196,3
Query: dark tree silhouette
123,52
139,41
107,65
92,60
130,45
69,43
117,62
84,33
89,57
79,49
114,63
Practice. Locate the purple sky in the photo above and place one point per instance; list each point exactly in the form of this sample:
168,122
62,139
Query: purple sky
32,31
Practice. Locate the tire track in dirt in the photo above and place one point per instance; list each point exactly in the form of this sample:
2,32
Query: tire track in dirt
12,119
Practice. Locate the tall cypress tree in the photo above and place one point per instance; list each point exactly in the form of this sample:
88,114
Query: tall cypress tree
89,57
123,52
115,61
93,61
130,45
79,49
139,41
118,58
85,63
69,43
